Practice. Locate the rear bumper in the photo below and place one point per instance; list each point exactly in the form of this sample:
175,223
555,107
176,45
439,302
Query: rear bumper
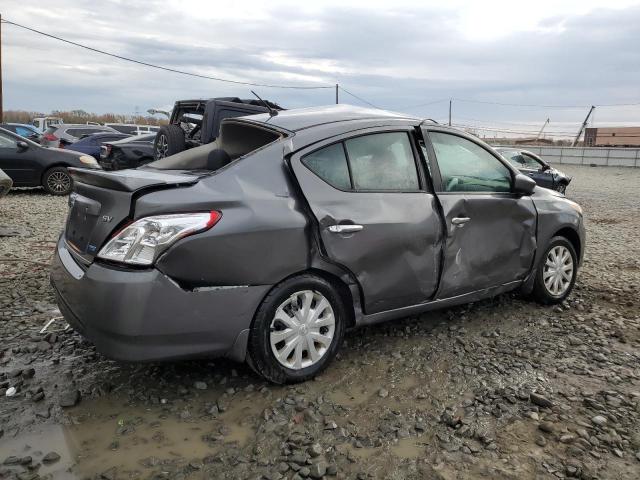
143,315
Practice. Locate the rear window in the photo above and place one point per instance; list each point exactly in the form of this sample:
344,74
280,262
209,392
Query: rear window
236,139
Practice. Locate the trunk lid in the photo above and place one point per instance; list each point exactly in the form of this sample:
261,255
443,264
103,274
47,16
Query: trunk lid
102,202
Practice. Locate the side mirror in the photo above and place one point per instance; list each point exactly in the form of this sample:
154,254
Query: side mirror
545,167
22,146
523,185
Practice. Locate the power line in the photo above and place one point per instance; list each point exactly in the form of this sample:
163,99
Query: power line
519,104
159,67
544,106
423,104
359,98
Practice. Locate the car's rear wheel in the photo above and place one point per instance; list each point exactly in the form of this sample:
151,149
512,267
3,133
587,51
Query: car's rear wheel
556,274
297,330
169,141
57,181
562,188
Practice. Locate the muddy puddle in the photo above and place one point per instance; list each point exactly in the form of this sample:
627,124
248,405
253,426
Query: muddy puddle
103,434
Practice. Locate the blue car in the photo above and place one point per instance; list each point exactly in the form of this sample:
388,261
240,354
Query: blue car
24,130
91,144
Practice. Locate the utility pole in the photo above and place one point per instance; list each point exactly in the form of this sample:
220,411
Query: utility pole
450,101
584,124
337,94
1,108
540,132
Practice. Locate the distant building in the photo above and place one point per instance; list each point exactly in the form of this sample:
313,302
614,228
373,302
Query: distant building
612,137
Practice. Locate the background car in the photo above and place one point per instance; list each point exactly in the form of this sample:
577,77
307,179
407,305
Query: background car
92,144
31,165
131,152
5,183
42,123
535,167
24,130
68,133
133,129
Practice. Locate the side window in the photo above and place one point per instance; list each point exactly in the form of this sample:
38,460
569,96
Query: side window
467,167
382,161
7,142
330,164
76,132
531,162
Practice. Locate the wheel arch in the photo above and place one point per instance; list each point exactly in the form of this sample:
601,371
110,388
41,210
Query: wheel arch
573,237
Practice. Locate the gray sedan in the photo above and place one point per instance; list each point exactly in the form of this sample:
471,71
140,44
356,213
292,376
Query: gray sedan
268,244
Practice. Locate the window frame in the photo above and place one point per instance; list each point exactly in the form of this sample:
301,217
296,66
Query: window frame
437,176
423,183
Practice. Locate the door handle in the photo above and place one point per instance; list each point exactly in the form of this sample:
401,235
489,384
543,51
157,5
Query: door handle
345,228
460,220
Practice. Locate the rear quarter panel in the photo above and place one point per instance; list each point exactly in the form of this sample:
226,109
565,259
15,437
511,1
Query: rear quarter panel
261,237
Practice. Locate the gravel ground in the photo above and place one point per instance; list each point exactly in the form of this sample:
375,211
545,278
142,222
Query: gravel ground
501,389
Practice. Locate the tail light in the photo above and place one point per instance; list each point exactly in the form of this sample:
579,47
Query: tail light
142,242
49,137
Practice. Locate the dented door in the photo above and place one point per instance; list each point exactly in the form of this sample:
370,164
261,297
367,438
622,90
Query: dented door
389,240
495,246
490,231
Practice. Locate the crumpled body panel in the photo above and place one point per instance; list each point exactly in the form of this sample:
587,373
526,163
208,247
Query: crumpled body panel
496,246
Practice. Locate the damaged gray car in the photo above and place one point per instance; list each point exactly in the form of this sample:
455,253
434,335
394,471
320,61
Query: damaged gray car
268,244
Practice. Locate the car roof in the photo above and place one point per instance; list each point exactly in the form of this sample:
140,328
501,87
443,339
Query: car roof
25,125
303,118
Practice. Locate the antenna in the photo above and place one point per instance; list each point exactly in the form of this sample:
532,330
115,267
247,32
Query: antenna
272,111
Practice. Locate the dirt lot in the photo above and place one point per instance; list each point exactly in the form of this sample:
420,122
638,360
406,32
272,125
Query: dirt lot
499,389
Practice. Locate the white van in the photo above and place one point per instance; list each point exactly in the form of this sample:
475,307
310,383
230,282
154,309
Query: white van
42,123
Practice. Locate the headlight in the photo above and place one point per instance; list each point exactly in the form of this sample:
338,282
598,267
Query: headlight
89,160
142,242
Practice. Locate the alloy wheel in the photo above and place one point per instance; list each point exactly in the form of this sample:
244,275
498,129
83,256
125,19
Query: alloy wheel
558,270
59,182
302,329
162,147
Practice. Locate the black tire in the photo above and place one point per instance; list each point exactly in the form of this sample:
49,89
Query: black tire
169,141
57,181
540,292
260,355
562,188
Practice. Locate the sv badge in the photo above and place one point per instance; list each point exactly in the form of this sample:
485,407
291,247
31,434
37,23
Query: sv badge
107,218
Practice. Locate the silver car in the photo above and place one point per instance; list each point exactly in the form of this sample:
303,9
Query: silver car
63,134
266,245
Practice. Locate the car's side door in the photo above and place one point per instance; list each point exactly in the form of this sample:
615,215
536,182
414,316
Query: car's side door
491,232
535,169
15,162
375,214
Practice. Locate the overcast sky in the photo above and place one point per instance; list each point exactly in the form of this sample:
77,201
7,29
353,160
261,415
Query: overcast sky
397,55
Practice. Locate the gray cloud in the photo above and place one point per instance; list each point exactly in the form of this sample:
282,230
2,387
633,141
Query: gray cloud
392,58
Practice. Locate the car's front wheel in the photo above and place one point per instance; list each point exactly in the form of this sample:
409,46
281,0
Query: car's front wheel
562,188
297,330
57,181
556,274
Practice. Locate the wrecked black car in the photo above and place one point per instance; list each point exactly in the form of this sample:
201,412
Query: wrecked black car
535,167
131,152
197,122
267,244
